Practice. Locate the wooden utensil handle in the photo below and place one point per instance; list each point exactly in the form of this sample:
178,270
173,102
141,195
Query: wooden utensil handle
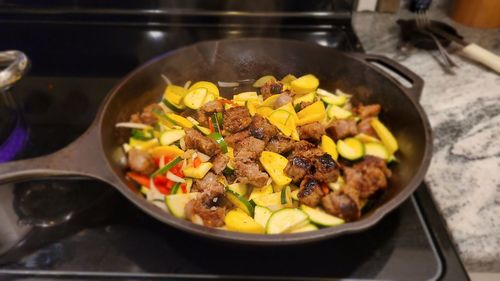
483,56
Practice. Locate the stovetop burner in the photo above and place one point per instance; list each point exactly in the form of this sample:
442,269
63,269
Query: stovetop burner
85,229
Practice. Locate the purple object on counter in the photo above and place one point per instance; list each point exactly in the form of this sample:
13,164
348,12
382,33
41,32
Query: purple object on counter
14,143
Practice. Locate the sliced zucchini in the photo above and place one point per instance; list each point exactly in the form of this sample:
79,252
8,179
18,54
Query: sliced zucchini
304,84
176,203
264,111
179,120
321,218
311,97
334,100
275,164
263,80
284,220
270,100
366,138
209,97
239,188
209,86
305,228
385,135
256,191
194,98
351,148
174,94
262,215
295,194
171,136
252,107
286,196
377,149
199,172
246,96
288,78
329,146
203,130
173,107
143,145
238,220
272,201
336,112
240,202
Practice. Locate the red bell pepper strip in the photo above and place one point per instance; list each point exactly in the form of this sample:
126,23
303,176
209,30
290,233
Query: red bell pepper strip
184,188
138,178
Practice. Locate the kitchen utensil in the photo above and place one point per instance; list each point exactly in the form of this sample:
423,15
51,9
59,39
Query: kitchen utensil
423,24
471,50
98,153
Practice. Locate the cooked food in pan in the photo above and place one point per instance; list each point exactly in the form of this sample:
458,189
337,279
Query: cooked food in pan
287,157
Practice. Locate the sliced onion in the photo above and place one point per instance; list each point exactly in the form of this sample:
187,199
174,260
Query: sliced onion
133,125
227,84
203,157
166,79
182,144
269,181
187,84
126,147
174,178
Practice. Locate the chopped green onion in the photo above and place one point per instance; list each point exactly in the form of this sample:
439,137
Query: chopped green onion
167,167
219,117
215,123
175,188
217,137
141,134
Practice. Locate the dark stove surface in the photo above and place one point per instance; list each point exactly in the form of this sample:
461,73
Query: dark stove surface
85,229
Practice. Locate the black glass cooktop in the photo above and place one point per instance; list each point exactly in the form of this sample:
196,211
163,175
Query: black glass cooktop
83,229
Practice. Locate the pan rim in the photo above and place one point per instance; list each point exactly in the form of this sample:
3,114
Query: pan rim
284,239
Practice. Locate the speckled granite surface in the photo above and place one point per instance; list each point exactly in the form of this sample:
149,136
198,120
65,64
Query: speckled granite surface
464,110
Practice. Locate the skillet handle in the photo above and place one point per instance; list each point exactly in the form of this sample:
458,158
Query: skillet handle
411,82
82,158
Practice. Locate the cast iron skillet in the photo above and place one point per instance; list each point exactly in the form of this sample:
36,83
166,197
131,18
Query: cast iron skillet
98,153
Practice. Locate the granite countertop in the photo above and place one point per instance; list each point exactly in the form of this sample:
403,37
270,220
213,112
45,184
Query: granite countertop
464,111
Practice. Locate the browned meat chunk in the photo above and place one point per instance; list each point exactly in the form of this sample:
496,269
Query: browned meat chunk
282,100
203,114
260,128
236,119
310,192
208,183
308,152
195,140
208,206
302,146
141,161
271,88
326,168
213,106
341,205
280,144
371,110
366,128
248,171
298,167
249,148
146,116
219,163
233,139
312,131
367,176
340,129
